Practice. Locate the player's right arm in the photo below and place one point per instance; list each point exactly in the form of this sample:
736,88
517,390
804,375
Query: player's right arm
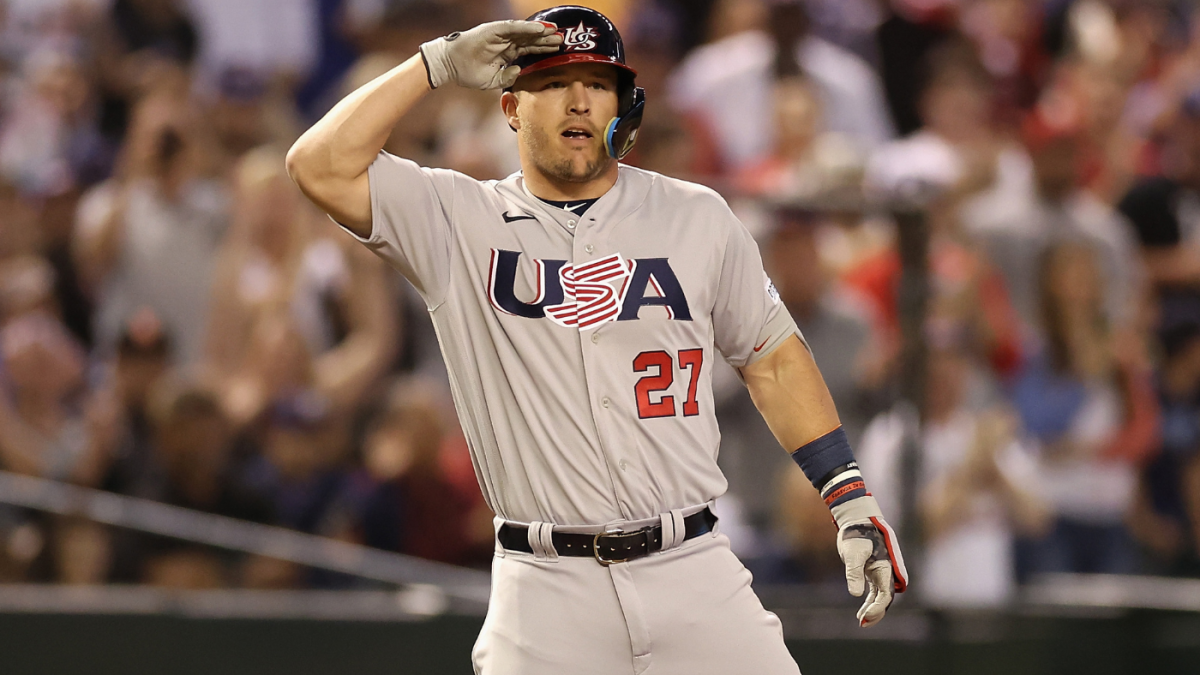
330,161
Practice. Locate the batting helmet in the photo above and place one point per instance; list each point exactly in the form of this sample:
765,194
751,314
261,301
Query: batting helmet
589,37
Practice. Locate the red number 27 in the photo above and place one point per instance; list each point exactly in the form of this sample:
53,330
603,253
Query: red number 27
661,380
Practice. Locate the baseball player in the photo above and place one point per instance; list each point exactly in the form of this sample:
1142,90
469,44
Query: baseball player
579,304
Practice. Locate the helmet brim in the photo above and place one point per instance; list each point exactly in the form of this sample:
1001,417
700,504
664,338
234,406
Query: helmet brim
567,59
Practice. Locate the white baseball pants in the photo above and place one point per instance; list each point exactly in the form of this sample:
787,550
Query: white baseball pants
686,610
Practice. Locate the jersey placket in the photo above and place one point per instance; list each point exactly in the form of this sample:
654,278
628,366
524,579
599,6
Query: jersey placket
596,365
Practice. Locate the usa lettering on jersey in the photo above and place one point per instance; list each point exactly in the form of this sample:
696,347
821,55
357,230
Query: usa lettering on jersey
589,295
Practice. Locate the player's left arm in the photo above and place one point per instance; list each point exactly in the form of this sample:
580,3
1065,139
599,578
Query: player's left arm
788,390
755,333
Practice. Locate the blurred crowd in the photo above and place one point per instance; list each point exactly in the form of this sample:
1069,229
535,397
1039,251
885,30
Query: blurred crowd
178,323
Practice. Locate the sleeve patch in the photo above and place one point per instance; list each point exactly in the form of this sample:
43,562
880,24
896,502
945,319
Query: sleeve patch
771,290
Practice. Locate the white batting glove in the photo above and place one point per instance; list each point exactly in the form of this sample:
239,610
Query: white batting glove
479,58
868,547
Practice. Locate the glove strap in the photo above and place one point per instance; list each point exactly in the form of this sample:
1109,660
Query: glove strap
856,511
437,62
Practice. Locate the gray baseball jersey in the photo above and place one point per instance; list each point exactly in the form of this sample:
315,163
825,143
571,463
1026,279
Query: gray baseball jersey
580,347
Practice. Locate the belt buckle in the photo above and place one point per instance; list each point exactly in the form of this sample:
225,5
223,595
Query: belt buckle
612,561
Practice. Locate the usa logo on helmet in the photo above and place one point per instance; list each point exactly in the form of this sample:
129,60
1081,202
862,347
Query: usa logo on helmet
579,38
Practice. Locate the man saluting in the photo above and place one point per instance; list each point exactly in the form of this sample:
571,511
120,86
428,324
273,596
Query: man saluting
579,304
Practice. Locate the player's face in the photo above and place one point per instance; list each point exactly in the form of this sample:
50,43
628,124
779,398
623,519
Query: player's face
560,115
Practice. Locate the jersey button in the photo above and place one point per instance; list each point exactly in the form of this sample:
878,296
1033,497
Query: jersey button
623,464
571,224
604,401
595,338
589,248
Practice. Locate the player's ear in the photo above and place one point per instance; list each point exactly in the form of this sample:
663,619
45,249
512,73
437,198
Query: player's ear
508,103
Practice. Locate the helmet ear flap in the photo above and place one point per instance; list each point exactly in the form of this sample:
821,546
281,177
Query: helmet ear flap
621,133
626,92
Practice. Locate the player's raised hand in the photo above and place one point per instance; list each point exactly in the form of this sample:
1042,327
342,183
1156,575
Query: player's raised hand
479,58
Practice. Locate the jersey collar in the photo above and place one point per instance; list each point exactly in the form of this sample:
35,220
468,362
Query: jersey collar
622,199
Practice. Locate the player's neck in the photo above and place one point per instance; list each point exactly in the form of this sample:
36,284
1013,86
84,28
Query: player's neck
550,189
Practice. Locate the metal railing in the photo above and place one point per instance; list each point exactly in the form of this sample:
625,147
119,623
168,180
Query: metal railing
467,588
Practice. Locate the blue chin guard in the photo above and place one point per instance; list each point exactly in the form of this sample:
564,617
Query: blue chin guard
621,133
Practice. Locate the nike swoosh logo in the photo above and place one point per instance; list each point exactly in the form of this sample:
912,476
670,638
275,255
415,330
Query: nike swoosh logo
571,209
510,219
764,343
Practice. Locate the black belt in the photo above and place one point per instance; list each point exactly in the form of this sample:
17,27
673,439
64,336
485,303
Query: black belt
607,547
